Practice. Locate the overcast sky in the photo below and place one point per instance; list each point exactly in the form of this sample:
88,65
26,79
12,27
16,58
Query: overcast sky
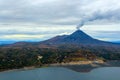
42,19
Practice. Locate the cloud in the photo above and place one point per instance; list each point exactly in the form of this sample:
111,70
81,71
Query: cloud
31,33
22,36
105,35
49,11
44,17
22,29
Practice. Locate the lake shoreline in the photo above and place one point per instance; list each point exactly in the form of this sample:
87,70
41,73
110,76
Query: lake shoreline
75,67
89,67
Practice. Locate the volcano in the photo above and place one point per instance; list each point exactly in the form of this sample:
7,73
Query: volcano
78,37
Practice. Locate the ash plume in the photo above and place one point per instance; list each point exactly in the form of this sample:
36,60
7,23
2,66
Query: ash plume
89,19
109,15
80,25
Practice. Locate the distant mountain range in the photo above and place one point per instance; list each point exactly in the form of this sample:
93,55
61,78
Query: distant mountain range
6,42
116,42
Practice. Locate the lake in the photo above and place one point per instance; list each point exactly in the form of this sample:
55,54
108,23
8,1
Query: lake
59,73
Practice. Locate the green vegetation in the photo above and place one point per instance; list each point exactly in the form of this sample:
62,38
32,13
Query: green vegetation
11,58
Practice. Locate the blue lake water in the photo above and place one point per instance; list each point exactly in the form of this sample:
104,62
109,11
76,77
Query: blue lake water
57,73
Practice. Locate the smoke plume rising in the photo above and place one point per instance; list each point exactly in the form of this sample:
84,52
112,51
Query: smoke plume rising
108,15
94,17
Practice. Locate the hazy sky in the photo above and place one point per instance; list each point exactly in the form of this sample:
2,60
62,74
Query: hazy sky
41,19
